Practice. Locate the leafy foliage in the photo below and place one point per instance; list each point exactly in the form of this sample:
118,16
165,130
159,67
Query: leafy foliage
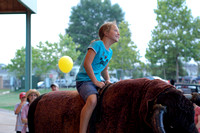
50,53
125,54
17,65
173,37
44,57
196,41
87,17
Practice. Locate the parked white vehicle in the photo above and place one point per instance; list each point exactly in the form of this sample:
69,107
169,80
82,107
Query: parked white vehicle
71,77
41,84
156,77
61,82
113,80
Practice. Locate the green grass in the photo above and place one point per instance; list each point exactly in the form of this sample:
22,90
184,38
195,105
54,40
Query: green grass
3,90
8,101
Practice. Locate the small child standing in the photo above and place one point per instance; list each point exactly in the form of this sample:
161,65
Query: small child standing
18,109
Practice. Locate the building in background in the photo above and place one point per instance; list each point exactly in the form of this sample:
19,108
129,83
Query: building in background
4,78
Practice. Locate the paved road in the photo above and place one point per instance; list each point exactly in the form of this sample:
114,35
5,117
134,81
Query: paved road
7,121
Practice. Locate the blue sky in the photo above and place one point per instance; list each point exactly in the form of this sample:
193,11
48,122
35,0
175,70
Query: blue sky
52,18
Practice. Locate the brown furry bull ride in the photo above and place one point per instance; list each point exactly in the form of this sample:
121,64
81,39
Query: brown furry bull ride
128,106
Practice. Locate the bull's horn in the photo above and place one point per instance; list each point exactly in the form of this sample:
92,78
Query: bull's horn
157,118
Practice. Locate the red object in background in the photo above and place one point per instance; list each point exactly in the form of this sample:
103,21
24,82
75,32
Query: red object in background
22,94
50,75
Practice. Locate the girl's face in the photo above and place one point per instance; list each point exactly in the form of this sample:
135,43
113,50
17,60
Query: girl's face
113,34
32,97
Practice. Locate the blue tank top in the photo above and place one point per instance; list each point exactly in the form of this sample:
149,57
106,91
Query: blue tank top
99,63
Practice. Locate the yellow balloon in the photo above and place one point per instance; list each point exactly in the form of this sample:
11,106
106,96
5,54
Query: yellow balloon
65,64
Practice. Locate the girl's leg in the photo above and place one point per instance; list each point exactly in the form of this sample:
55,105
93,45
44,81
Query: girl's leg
86,112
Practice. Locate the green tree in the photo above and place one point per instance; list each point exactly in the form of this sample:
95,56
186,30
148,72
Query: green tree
125,54
172,38
17,66
44,57
50,53
165,71
196,54
87,17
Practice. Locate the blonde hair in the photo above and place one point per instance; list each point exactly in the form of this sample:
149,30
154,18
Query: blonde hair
105,27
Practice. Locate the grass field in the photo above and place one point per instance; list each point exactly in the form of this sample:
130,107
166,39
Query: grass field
9,100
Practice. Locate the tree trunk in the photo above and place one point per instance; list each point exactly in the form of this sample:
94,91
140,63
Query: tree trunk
198,69
177,70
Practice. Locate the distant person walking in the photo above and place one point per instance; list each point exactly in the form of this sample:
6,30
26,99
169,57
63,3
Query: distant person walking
18,109
54,87
31,95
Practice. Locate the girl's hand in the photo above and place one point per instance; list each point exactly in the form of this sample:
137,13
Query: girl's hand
22,103
107,82
100,84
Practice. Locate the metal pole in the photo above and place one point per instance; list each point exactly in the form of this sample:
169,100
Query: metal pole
28,68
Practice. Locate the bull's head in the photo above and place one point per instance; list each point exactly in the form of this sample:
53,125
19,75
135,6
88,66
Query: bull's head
173,113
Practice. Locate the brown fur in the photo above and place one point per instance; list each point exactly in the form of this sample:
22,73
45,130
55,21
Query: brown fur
58,112
125,105
125,108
